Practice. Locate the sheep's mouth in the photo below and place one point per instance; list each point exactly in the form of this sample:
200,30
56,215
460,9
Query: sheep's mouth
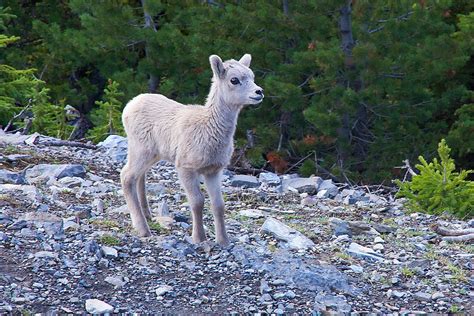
259,98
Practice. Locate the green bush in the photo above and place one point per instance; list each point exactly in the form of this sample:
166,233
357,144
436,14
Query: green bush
107,118
438,188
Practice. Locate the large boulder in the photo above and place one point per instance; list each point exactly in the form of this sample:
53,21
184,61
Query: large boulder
116,147
12,177
246,181
302,185
269,178
45,172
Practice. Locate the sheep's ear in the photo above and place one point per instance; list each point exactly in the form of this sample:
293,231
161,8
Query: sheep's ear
245,60
217,66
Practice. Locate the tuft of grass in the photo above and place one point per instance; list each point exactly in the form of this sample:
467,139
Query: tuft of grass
272,247
104,223
109,240
343,256
454,309
459,275
156,227
407,272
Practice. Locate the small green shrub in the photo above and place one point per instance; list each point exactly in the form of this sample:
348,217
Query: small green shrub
107,117
307,168
438,188
109,240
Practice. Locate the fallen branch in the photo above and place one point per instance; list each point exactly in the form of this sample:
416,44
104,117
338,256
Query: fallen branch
451,232
35,139
252,171
463,238
67,143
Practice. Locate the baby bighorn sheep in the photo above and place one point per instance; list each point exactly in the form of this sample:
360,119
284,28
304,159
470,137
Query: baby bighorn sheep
197,139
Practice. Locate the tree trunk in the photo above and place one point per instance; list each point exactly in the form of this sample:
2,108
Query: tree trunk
347,43
153,80
286,10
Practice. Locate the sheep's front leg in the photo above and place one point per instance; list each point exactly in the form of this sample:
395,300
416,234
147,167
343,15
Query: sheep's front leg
190,181
213,185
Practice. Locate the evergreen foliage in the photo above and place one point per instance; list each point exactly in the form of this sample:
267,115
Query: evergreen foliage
362,103
107,117
17,87
438,188
49,119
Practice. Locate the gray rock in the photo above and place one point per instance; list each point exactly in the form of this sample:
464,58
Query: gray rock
470,223
70,182
46,255
384,229
116,147
340,227
437,295
266,298
45,172
329,186
422,296
117,281
365,253
163,209
356,268
95,306
290,294
29,191
12,177
327,302
293,238
269,178
246,181
302,185
113,141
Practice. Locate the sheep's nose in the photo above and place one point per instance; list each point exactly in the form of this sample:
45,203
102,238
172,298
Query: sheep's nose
259,92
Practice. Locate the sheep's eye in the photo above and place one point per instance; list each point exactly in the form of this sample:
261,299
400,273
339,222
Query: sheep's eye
234,80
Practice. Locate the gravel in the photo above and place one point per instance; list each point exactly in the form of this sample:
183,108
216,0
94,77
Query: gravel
66,245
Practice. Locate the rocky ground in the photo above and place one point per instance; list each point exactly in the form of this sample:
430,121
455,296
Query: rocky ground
300,245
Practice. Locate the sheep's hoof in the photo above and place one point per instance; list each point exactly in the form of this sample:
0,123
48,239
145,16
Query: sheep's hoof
197,239
144,232
223,242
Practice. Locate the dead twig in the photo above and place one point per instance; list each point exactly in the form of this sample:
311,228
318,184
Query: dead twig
452,232
19,115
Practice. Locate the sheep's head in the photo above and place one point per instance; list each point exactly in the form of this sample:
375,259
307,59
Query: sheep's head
235,81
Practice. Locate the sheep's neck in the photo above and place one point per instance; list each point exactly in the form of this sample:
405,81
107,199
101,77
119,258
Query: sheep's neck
222,117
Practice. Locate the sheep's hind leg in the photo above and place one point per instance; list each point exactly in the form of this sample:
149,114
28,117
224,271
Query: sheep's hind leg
213,185
136,166
142,196
190,181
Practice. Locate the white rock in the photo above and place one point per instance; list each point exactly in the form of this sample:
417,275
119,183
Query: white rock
163,289
109,252
378,247
378,240
293,238
252,213
362,252
95,306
